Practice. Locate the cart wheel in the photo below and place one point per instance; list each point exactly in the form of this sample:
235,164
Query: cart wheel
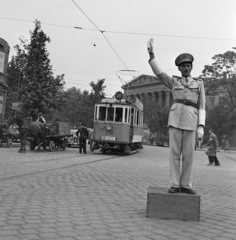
9,142
52,146
32,146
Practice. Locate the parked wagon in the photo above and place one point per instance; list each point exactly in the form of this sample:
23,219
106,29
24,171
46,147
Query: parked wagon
73,141
9,135
57,135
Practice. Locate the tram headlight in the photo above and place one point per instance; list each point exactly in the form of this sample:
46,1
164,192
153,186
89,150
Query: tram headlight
108,128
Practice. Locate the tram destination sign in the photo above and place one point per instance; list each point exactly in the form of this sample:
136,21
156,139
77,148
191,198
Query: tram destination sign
108,138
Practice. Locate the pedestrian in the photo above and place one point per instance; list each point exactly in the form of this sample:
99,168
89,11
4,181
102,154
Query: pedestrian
186,118
83,135
151,138
226,145
213,149
41,118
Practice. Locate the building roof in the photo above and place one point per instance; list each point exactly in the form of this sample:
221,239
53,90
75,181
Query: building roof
142,80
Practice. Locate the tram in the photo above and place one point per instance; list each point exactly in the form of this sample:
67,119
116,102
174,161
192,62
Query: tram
118,125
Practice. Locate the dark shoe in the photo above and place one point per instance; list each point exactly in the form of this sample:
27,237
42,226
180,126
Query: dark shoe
173,190
217,165
210,164
85,153
80,152
188,190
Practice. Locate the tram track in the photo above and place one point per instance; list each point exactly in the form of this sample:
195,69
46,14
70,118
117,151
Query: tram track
57,168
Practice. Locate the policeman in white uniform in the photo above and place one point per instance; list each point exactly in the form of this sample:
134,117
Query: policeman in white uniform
186,118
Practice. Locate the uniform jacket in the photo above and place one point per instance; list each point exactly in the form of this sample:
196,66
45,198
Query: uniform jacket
213,145
182,116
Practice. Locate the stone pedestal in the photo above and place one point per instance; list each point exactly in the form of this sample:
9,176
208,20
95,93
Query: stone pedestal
180,206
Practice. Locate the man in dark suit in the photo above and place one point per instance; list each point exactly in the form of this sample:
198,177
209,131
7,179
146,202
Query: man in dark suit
83,135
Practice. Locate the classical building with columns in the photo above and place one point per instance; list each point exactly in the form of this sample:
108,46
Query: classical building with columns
150,87
147,86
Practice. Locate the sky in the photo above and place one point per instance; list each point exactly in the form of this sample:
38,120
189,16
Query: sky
114,35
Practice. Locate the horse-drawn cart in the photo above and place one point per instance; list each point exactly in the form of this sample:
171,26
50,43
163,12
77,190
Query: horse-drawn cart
56,136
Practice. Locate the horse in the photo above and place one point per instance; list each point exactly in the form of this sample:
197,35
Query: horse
28,128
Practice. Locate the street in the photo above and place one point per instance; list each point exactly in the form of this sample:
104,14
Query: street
67,195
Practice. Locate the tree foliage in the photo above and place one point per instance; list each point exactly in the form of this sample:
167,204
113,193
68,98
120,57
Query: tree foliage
30,70
220,78
156,116
78,106
222,72
98,90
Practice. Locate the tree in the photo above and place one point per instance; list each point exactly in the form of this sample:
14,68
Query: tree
98,90
220,77
157,117
15,76
39,90
222,73
78,106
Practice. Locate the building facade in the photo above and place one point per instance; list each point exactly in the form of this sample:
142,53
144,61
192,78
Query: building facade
149,87
4,54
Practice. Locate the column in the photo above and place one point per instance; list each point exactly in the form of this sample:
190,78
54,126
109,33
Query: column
167,99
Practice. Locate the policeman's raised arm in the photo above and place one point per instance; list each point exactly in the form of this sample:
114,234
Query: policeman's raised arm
163,77
150,49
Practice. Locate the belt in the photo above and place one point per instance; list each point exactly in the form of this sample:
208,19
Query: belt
186,102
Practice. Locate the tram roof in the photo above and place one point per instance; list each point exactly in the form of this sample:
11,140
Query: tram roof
136,104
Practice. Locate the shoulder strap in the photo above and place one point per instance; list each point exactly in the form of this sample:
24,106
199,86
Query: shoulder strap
176,77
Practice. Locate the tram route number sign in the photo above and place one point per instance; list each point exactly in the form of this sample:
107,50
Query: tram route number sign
16,106
108,138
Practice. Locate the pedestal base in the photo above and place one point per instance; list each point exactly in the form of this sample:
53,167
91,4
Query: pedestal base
180,206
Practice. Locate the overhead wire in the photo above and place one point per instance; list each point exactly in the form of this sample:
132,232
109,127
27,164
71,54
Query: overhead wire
102,32
119,32
122,32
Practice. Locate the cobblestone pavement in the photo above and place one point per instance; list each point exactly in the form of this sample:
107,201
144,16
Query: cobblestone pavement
67,195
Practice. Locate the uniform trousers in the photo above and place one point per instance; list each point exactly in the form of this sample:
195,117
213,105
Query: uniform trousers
182,143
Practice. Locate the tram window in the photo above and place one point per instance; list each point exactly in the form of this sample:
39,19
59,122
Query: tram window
110,114
119,114
132,116
135,117
138,120
141,119
102,113
126,115
95,114
129,116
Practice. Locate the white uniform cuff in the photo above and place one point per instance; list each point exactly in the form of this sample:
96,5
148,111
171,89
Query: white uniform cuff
201,117
155,67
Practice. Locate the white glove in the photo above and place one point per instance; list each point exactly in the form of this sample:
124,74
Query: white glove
200,132
150,45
